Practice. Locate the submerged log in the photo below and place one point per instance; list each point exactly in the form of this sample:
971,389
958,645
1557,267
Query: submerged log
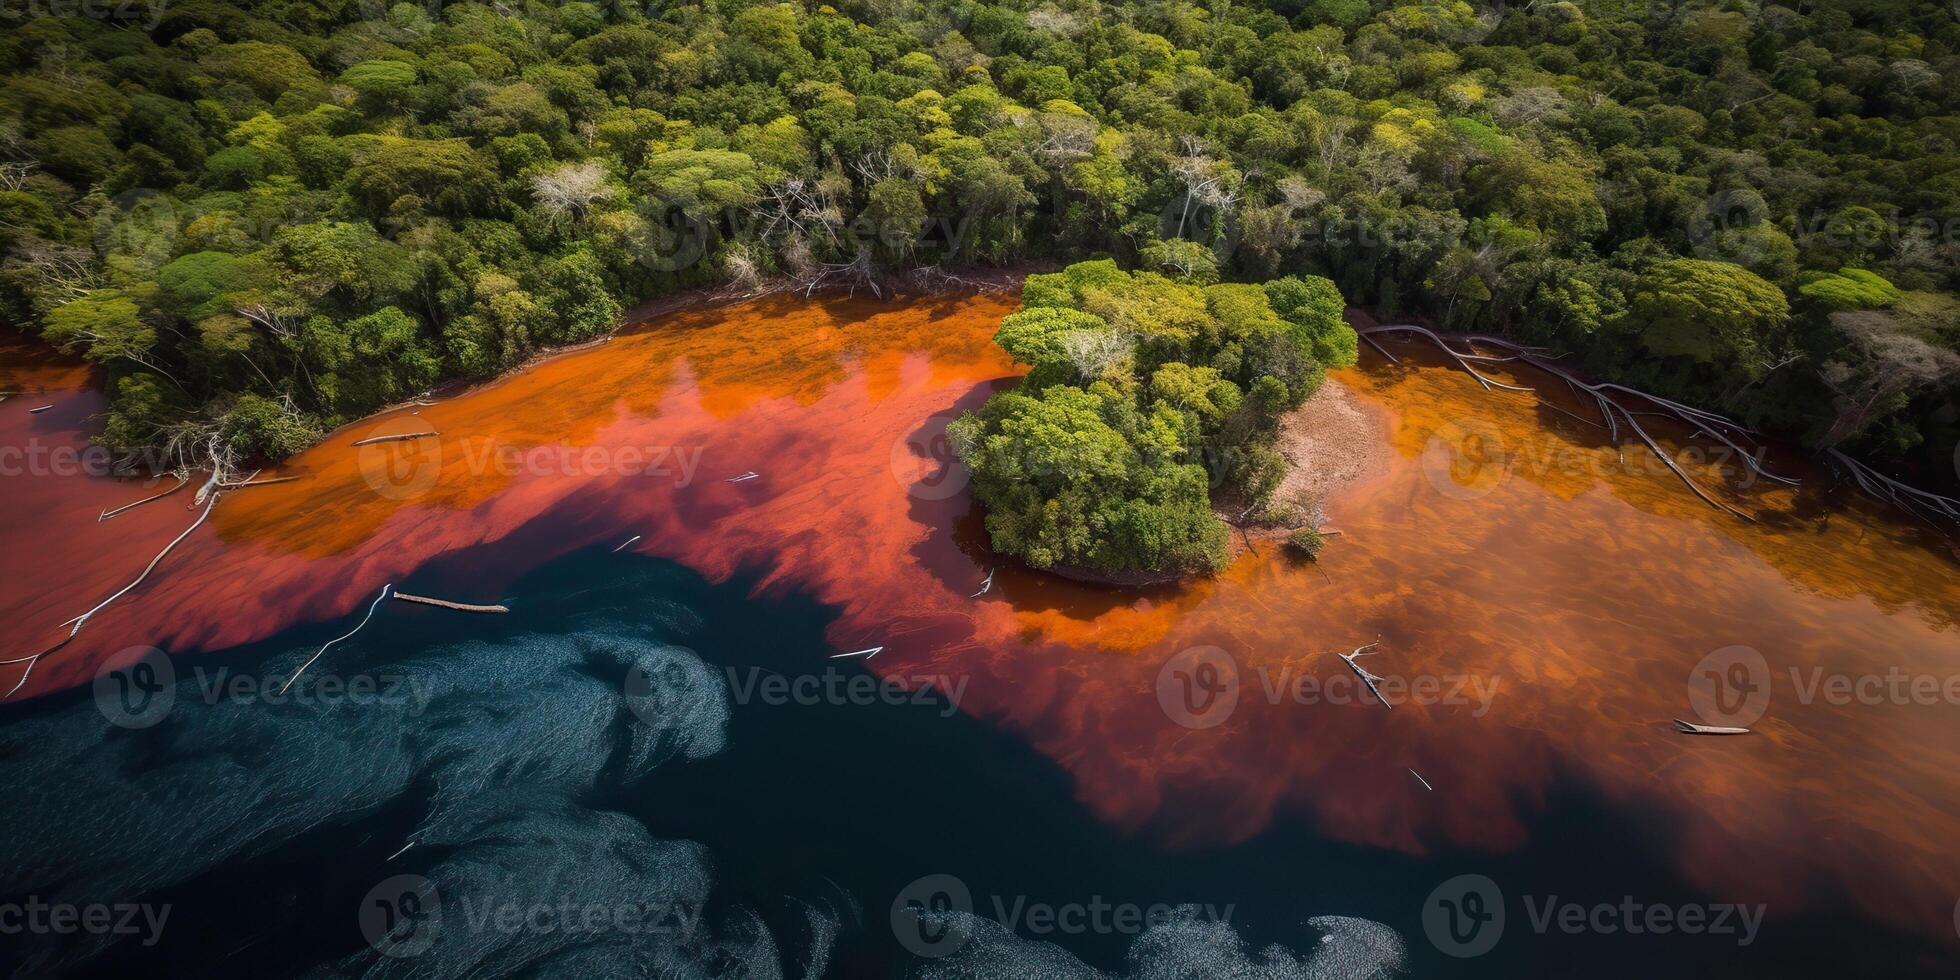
1614,415
404,437
446,604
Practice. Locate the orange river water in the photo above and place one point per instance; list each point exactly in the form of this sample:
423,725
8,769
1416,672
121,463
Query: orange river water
1503,549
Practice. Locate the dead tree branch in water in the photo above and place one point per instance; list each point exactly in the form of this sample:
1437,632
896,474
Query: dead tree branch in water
404,437
1362,672
1919,503
446,604
1606,397
182,482
337,639
78,622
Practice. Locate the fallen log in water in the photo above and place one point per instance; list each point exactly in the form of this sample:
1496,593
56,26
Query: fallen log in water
337,639
1690,728
404,437
446,604
1362,672
182,482
260,483
79,621
1919,503
1605,397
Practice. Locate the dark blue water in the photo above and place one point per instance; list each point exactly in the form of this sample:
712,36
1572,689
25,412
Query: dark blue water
612,744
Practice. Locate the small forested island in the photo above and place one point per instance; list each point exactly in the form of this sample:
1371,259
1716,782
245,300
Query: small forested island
1144,394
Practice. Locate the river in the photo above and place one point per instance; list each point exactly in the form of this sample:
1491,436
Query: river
1542,601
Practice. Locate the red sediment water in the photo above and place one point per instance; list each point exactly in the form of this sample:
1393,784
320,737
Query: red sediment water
1561,591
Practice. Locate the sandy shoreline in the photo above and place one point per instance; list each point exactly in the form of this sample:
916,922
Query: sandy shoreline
1331,442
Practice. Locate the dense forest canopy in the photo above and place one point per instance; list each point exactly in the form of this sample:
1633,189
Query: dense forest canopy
1143,393
267,218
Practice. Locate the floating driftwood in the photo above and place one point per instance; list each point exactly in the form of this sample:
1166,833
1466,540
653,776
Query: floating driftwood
37,411
404,437
446,604
337,639
750,475
1424,782
626,545
984,586
1362,672
1690,728
259,483
867,653
182,482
